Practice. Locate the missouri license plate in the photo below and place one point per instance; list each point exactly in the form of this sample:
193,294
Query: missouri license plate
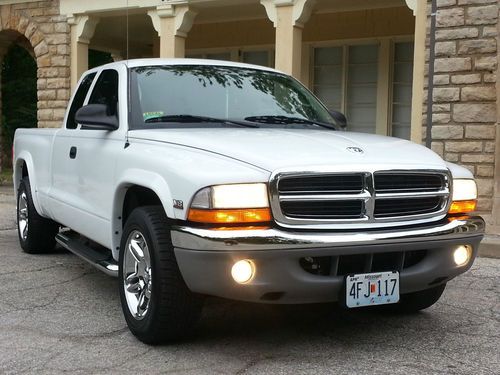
368,289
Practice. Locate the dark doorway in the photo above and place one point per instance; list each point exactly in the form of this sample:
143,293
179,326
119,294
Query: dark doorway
19,98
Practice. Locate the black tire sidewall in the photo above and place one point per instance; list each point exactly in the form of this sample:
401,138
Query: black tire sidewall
23,189
146,324
41,230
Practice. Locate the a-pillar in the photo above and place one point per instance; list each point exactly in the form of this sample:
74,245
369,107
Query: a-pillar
289,17
172,22
82,30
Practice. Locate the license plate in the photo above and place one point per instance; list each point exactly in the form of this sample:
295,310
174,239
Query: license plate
370,289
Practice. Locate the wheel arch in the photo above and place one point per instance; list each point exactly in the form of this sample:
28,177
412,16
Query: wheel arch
135,189
23,167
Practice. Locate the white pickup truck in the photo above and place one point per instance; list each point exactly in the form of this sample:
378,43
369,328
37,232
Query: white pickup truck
187,178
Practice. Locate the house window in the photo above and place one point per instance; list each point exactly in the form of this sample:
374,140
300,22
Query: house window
211,56
345,79
348,78
361,100
263,58
402,90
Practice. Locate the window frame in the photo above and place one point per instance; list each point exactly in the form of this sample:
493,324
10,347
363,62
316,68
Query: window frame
236,53
98,71
85,99
383,123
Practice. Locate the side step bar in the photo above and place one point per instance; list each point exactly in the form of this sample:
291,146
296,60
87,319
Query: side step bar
103,261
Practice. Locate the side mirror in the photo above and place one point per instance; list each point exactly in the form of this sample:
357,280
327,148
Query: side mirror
96,117
339,118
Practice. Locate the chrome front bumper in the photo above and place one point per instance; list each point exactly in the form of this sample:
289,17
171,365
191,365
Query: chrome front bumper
205,257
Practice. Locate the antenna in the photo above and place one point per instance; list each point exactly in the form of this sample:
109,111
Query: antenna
127,34
128,74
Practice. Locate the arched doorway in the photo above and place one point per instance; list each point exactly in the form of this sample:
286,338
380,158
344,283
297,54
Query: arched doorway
44,35
18,91
19,95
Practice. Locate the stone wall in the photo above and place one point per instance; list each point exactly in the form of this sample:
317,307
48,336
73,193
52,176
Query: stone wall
464,110
48,34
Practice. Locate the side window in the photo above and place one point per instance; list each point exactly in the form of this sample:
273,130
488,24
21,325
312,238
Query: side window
106,91
78,100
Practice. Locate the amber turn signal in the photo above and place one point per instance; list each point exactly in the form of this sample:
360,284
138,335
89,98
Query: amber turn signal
462,207
247,215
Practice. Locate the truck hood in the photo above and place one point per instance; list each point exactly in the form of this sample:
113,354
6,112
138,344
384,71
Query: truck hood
273,149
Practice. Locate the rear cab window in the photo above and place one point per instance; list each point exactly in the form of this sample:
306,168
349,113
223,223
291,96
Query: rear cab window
78,100
106,91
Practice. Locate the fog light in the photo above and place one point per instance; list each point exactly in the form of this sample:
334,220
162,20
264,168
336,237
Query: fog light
243,271
462,254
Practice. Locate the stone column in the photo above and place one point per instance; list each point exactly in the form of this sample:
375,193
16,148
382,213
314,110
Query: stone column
464,112
288,17
172,22
82,30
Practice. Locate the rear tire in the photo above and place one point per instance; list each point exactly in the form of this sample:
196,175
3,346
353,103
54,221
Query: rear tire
157,305
417,301
36,233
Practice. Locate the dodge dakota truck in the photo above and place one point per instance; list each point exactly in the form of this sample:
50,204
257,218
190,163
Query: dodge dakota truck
191,178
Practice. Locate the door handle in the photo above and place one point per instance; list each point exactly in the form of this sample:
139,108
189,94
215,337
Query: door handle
72,152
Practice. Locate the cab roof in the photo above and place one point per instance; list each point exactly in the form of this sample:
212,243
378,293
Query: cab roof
134,63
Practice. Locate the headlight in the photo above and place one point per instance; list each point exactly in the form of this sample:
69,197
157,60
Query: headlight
464,197
224,204
464,190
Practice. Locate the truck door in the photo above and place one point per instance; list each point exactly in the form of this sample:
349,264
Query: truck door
92,154
64,178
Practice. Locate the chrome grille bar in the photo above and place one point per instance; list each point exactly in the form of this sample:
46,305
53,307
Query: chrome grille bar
434,183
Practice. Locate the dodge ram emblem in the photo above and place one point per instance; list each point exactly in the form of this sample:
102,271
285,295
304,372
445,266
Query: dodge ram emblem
355,150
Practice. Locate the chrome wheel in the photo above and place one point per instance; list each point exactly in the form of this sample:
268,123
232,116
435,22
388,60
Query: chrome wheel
22,215
137,281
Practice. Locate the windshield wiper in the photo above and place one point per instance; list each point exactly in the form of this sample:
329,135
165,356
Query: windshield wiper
287,120
194,118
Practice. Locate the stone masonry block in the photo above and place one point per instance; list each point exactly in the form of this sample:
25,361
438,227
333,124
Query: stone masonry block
484,171
446,94
441,79
475,112
450,17
482,15
447,132
479,93
476,46
480,131
465,146
486,63
478,158
457,33
461,79
441,118
454,64
445,48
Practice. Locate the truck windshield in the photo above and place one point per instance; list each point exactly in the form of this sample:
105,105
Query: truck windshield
201,95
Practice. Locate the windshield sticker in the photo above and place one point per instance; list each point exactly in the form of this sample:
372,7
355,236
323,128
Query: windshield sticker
150,115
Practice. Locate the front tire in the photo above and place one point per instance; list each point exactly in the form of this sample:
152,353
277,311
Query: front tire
413,302
157,305
36,233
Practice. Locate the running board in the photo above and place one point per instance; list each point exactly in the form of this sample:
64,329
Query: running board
100,260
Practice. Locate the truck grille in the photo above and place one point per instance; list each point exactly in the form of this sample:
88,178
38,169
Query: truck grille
343,265
406,206
404,183
379,196
332,184
348,209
